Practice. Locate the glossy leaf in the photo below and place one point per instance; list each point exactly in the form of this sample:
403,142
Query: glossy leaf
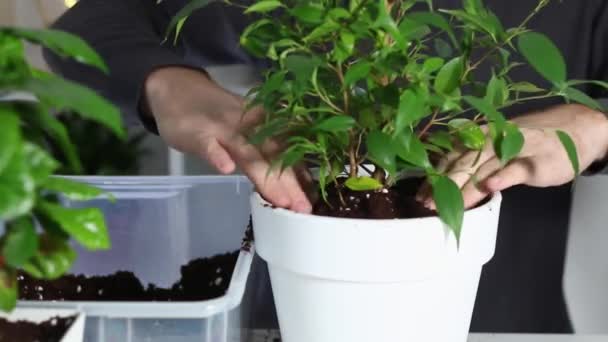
412,108
469,133
363,184
441,139
308,12
410,149
54,258
543,55
578,96
62,43
63,94
263,6
10,135
449,76
570,148
17,188
526,87
449,202
433,64
497,92
184,14
41,164
434,19
87,226
510,143
20,242
380,149
336,124
486,108
73,190
357,72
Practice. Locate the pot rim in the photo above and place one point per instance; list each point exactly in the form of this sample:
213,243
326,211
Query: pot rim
494,202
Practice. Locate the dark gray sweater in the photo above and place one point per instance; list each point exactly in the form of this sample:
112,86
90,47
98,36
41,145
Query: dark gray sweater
521,289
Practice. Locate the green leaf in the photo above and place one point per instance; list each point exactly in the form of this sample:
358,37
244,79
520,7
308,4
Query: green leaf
411,149
412,108
413,30
41,164
448,78
578,96
594,82
436,20
526,87
473,6
8,290
263,6
433,64
73,190
17,188
449,202
268,130
10,135
310,13
336,124
62,43
442,139
20,242
184,14
357,72
510,143
381,152
363,184
443,48
56,131
322,31
570,148
87,226
543,55
63,94
469,133
386,22
486,108
54,258
301,66
497,92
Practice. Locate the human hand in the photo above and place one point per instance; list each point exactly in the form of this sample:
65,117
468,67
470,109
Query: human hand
543,161
196,116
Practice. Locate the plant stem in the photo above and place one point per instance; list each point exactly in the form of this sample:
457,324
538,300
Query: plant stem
429,124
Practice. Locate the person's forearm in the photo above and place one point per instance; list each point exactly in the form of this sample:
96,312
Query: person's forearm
126,33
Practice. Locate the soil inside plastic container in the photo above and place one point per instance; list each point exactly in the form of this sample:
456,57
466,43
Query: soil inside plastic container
52,330
201,279
396,202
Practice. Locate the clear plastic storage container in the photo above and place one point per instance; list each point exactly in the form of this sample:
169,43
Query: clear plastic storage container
156,225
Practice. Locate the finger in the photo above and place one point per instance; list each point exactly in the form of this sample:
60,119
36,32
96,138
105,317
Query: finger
516,173
251,118
270,184
475,190
211,150
271,149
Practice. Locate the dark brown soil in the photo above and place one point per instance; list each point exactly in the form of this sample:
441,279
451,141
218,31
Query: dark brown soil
396,202
201,279
47,331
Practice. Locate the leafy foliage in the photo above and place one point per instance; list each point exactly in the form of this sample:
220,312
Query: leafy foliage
398,77
38,228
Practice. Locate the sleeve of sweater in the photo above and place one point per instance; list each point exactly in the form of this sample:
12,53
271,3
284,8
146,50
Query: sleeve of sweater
128,36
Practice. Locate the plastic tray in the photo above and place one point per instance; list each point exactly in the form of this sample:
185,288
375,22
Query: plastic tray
156,225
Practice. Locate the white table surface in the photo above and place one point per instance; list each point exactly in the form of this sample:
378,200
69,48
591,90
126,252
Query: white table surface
272,336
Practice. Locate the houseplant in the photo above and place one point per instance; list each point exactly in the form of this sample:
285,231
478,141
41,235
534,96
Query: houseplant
37,228
402,82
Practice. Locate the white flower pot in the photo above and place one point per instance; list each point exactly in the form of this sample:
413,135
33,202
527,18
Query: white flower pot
348,280
75,332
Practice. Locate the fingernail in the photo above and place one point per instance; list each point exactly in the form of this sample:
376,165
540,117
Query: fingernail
302,207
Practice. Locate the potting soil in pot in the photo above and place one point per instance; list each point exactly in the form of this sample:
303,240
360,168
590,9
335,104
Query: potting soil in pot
23,331
396,202
201,279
